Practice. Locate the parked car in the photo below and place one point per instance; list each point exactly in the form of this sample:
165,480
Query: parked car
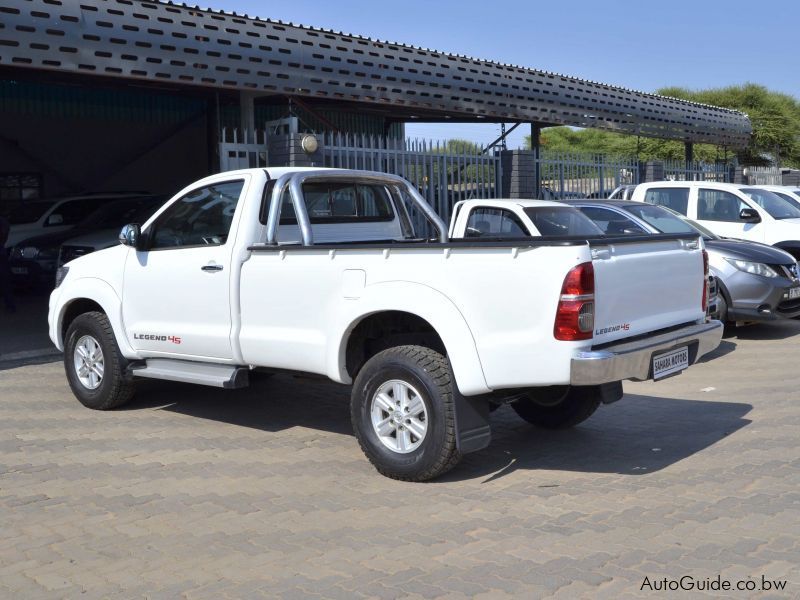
792,194
755,282
34,260
730,210
322,271
41,217
138,212
622,192
540,218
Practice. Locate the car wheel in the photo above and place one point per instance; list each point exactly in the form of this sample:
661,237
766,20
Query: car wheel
403,413
722,309
94,364
558,407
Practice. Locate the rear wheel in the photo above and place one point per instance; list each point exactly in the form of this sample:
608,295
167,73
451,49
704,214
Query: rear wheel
94,364
558,407
403,413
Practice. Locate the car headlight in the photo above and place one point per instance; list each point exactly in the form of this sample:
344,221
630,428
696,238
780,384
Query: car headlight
61,273
16,252
753,268
29,252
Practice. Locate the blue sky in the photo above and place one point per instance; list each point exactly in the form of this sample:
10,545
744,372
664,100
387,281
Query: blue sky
640,44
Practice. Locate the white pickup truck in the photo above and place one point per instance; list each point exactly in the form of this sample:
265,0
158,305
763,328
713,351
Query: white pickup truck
325,272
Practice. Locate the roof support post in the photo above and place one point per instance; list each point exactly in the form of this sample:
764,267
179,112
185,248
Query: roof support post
688,149
536,144
247,114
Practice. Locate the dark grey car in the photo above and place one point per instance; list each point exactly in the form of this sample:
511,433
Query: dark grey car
756,282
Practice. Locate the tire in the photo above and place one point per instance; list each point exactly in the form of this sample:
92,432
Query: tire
559,407
406,390
722,309
88,333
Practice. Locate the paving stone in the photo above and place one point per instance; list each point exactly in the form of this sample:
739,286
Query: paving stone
202,493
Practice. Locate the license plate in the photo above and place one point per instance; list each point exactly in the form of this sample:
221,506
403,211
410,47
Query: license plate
794,293
19,270
670,362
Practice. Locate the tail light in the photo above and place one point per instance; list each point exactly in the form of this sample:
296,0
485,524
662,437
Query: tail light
705,281
575,314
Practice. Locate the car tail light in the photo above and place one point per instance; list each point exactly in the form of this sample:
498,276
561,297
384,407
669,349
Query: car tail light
705,281
575,314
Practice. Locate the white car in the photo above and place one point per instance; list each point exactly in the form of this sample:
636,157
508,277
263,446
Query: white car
786,192
730,210
40,217
323,271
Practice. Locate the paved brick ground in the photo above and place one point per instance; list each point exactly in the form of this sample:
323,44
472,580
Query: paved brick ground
264,492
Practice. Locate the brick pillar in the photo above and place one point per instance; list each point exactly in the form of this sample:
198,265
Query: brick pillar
651,170
287,151
519,179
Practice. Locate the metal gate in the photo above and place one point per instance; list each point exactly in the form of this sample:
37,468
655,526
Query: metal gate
576,175
443,172
242,150
763,175
680,170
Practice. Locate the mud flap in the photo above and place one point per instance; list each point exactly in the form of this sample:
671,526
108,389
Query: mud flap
610,392
473,432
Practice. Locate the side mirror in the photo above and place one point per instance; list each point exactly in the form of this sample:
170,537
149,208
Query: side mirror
749,215
54,219
472,232
131,235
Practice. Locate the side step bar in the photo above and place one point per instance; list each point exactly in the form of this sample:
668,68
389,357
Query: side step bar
224,376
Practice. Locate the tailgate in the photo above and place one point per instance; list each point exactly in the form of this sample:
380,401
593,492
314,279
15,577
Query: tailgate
645,284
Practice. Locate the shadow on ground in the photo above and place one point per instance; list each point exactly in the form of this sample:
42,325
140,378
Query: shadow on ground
635,436
773,330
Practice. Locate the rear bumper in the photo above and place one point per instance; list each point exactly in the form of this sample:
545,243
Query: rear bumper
633,360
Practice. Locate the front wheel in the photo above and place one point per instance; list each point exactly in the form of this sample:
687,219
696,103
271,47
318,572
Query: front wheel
403,413
94,364
558,407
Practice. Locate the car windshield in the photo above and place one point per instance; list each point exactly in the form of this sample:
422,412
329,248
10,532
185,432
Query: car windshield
117,213
667,221
562,220
788,197
28,213
777,207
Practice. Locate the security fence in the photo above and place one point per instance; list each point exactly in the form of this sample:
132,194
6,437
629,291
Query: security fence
574,175
763,175
443,172
680,170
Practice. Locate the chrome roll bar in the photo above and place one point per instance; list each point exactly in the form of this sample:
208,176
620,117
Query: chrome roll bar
294,182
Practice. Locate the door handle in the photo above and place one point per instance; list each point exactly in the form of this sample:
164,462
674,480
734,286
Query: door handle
211,268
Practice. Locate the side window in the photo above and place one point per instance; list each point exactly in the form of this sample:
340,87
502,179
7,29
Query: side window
494,222
202,217
717,205
672,197
611,222
75,211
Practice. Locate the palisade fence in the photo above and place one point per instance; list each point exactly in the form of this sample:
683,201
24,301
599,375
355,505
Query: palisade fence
443,173
242,149
764,175
578,175
680,170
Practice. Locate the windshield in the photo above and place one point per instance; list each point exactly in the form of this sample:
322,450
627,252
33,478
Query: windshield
116,214
788,198
28,213
777,207
667,220
562,220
